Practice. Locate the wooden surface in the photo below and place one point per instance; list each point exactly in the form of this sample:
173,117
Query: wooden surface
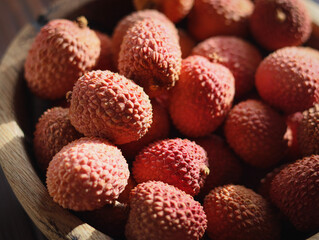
14,222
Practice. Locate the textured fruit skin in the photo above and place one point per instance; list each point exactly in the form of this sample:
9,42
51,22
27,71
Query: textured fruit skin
293,121
288,79
108,105
236,212
175,10
159,130
161,211
224,165
186,42
308,132
279,23
61,52
52,132
151,56
202,97
219,17
256,133
105,60
87,174
294,190
179,162
239,56
128,21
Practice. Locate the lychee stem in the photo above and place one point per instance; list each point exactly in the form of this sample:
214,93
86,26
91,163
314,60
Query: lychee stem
82,22
280,15
205,170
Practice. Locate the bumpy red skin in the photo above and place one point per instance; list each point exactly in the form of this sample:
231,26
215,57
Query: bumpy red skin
236,212
175,10
186,42
128,21
106,104
87,174
308,132
288,79
52,132
239,56
105,60
59,55
161,211
179,162
224,165
256,133
202,97
293,121
294,190
219,17
279,23
151,56
159,130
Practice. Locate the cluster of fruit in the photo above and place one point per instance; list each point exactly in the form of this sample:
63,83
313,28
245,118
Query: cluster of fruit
124,92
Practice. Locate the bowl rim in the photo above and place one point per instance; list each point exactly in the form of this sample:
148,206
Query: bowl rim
54,221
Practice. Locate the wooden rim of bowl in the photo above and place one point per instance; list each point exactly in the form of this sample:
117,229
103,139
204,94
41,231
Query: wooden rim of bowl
54,221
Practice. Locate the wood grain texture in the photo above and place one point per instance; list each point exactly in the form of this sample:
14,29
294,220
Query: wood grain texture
54,221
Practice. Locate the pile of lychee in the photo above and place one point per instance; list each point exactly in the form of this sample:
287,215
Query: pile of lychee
172,133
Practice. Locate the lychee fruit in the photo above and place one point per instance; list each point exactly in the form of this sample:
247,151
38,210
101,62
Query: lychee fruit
128,21
294,190
159,130
308,131
151,56
161,211
219,17
224,165
186,42
202,97
52,132
293,121
108,105
279,23
239,56
236,212
86,174
288,79
179,162
61,52
105,60
256,133
175,10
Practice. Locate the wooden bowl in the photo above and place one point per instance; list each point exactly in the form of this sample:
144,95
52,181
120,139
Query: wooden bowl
20,111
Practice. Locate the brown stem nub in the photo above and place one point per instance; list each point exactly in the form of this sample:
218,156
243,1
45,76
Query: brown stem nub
82,22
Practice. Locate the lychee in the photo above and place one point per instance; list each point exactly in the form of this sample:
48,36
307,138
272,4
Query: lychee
236,212
224,165
61,52
105,60
294,190
239,56
256,133
179,162
175,10
202,97
279,23
219,17
308,131
288,79
151,56
87,174
161,211
186,42
106,104
159,130
52,132
128,21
